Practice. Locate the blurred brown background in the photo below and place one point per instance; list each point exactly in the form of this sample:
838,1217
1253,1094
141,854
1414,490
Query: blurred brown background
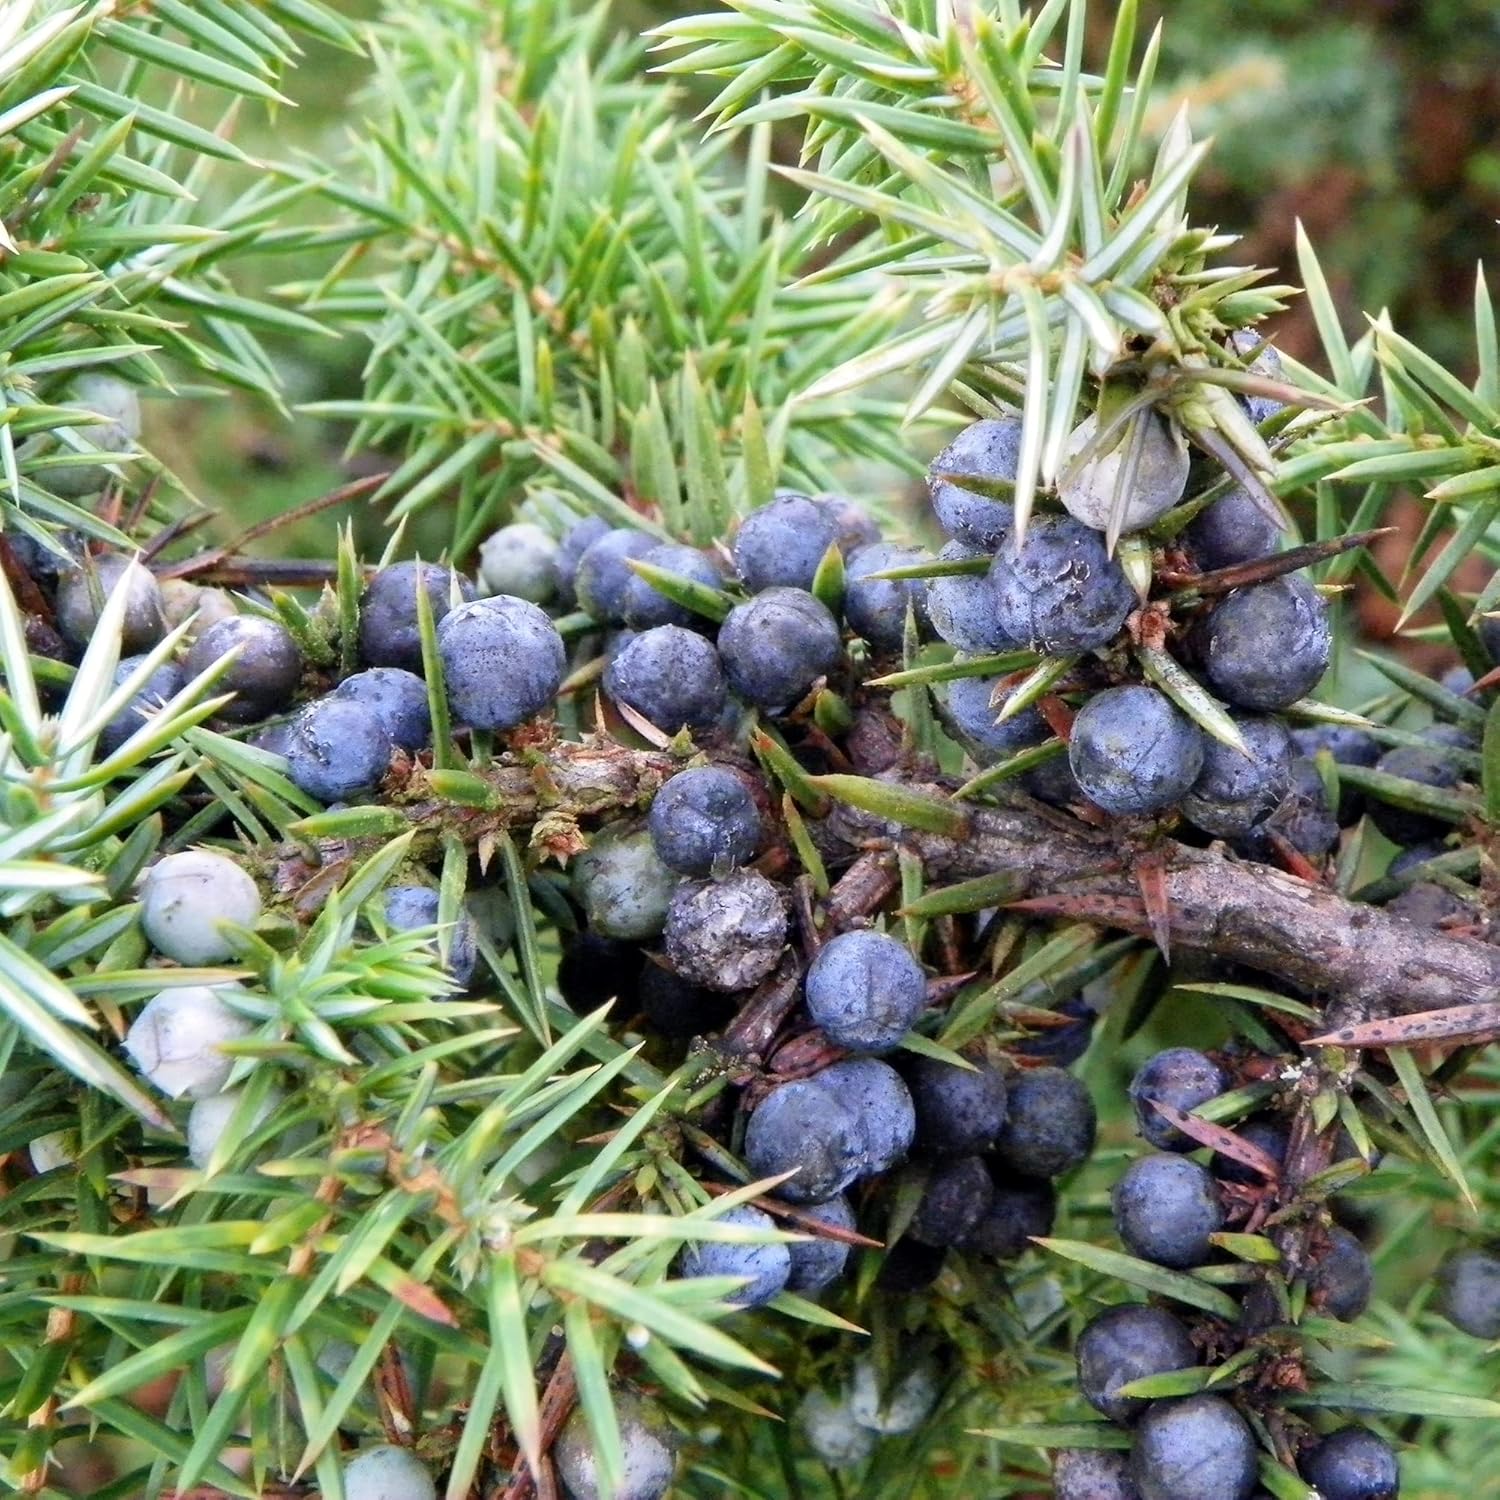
1376,122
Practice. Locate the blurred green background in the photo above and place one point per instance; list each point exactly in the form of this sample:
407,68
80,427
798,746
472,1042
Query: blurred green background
1375,122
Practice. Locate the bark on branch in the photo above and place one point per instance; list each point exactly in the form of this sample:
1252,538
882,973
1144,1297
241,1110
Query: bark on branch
1307,936
1304,935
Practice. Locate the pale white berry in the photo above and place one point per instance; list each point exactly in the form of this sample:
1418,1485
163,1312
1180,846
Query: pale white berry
187,898
388,1473
831,1431
181,600
1161,474
520,560
177,1040
902,1407
645,1441
107,396
209,1119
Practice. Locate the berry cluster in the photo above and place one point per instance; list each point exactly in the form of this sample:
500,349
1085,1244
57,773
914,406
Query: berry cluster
1181,1214
1142,688
669,667
1133,748
191,903
1139,703
1202,735
680,928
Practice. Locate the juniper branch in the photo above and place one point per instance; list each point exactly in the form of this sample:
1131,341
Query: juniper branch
1366,961
1304,935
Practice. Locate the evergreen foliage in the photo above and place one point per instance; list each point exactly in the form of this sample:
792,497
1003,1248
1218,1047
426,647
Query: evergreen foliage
471,1186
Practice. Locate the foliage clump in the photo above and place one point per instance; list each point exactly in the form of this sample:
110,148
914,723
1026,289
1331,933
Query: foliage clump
674,957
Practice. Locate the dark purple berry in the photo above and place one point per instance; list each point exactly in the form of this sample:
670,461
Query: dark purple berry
412,906
1348,746
670,676
1126,1344
1133,752
1059,590
1049,1123
776,645
1233,792
503,662
804,1128
955,1198
985,453
645,605
1303,818
865,990
882,1108
1266,646
1427,766
974,721
388,635
338,750
1181,1077
1270,1134
1353,1464
603,575
876,608
1469,1292
959,1110
164,681
1165,1209
704,822
1199,1448
910,1266
782,544
398,698
961,607
676,1007
1233,529
570,552
1021,1209
1062,1046
595,969
264,675
766,1266
819,1262
1262,359
1341,1277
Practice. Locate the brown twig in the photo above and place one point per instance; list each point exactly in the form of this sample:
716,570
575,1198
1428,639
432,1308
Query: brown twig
557,1402
753,1030
234,571
801,1220
1262,569
205,567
